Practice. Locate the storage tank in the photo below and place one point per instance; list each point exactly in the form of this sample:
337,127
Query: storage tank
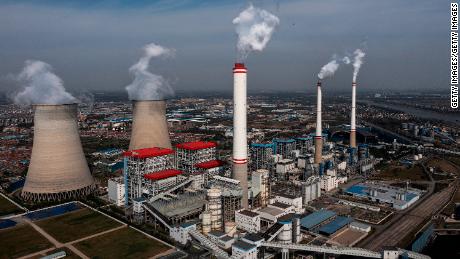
215,208
58,169
285,236
206,222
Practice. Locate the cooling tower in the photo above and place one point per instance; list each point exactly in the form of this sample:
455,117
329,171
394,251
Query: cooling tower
58,168
319,129
353,116
150,128
240,145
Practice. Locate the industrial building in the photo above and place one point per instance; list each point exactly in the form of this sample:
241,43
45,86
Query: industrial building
313,221
116,190
398,198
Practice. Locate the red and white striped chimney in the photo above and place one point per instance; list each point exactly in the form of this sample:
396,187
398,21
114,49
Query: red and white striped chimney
353,116
240,145
319,128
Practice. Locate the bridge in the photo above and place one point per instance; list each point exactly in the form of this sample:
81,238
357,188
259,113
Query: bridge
351,251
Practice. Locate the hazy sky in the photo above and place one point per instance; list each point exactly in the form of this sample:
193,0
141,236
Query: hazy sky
91,44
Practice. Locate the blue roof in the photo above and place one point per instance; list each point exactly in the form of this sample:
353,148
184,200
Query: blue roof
336,224
316,218
284,140
357,190
410,196
262,145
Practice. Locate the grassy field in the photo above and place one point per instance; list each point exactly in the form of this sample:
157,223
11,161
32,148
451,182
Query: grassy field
21,240
123,243
6,207
414,173
75,225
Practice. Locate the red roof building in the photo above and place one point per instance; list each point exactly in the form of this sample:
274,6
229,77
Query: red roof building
209,164
148,152
196,145
162,174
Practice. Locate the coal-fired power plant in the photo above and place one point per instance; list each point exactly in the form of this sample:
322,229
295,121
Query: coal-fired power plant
319,128
150,128
353,116
58,169
240,145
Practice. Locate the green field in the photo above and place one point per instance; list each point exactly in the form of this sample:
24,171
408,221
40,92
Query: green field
122,243
6,207
76,225
20,241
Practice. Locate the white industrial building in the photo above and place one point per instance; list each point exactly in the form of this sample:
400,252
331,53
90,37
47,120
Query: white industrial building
116,191
247,220
241,249
295,202
181,233
311,189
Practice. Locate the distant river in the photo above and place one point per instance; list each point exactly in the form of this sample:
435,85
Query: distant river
421,113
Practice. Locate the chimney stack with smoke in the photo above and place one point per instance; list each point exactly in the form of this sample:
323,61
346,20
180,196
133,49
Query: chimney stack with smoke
353,116
357,62
326,71
240,166
148,92
319,128
254,27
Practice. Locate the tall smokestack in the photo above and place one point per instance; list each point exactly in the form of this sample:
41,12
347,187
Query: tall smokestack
319,128
58,169
149,128
353,116
240,166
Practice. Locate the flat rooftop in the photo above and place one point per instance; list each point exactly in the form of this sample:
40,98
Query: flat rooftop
316,218
384,193
248,213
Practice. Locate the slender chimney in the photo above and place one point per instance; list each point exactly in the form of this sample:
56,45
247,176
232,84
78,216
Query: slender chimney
319,129
149,128
58,169
240,145
353,116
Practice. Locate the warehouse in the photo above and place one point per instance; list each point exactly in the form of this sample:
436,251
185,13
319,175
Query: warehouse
335,226
316,219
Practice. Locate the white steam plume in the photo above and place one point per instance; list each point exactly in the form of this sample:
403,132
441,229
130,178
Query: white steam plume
358,60
41,85
328,70
254,27
146,85
346,60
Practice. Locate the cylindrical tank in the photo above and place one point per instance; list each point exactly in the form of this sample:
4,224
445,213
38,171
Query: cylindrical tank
206,222
319,129
296,230
58,168
230,228
215,208
285,236
149,128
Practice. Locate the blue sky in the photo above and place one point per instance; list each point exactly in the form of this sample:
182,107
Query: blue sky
92,44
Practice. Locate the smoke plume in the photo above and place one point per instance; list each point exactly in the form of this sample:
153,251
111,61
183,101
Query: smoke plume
146,85
358,60
329,69
254,27
41,85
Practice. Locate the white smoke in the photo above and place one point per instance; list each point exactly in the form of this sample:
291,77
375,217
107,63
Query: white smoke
41,86
146,85
329,69
254,27
358,60
346,60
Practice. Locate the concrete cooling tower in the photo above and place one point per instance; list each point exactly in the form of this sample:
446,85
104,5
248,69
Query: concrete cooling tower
58,169
150,128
